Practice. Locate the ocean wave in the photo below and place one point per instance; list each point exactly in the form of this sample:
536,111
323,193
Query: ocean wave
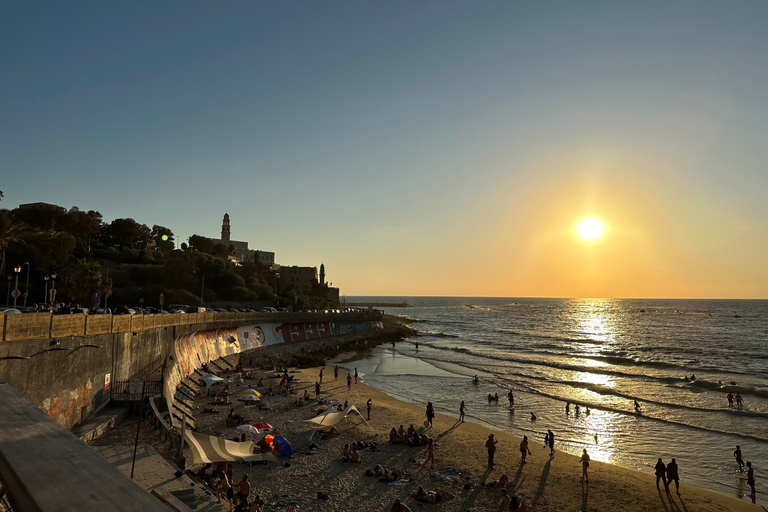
608,391
437,334
670,421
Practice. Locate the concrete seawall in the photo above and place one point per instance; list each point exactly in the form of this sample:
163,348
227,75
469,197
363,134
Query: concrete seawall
65,373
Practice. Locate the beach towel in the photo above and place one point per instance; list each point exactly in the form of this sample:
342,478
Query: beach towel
402,481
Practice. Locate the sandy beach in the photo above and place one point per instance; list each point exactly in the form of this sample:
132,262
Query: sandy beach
543,484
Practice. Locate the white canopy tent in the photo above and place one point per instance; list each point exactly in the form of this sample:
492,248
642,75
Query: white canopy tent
333,415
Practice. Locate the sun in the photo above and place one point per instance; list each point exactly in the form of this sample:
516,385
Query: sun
590,228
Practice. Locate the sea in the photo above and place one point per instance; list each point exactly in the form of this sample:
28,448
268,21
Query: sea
678,359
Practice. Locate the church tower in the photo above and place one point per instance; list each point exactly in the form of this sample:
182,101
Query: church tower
225,228
322,274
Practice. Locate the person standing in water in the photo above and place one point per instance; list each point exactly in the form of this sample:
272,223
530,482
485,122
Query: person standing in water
584,465
511,398
751,479
739,459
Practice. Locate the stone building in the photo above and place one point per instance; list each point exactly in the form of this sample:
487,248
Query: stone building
240,249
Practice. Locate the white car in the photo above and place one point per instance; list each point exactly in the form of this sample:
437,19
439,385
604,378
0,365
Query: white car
10,311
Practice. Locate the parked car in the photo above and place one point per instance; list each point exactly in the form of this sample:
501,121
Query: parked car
10,311
268,309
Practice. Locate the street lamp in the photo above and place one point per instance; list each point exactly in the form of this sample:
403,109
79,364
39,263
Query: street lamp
202,289
53,286
16,293
26,290
45,297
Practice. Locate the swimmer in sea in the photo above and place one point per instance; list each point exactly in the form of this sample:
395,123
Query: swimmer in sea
637,406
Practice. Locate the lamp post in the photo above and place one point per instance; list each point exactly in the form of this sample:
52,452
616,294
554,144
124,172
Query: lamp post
53,287
26,290
15,293
8,295
45,297
202,290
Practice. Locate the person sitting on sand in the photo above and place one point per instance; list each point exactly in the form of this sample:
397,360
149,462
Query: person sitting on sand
234,419
501,482
205,472
430,496
399,506
394,437
505,503
260,383
402,433
411,430
220,400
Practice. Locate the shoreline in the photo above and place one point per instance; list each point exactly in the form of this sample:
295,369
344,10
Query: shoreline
543,484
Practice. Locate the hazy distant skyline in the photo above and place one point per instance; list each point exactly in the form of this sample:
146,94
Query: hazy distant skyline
414,148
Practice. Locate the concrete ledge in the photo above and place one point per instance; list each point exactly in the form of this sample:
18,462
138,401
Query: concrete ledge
100,423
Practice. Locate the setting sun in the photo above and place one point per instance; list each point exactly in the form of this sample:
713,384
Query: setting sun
590,229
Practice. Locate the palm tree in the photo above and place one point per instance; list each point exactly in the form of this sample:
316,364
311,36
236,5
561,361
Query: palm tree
10,232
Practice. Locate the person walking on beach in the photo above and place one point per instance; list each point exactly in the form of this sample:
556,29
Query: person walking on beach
355,375
524,450
321,374
430,453
349,382
430,414
336,372
739,459
585,464
661,474
551,443
490,444
751,479
461,411
672,474
317,390
368,407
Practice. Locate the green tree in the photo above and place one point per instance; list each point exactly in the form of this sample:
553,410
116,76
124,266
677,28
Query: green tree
11,231
126,234
201,244
163,238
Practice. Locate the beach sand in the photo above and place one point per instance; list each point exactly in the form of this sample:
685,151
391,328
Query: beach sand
544,484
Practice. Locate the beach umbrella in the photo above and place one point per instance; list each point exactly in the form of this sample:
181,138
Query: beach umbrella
249,429
250,392
263,426
281,446
249,398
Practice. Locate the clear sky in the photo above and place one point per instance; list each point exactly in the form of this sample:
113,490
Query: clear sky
416,148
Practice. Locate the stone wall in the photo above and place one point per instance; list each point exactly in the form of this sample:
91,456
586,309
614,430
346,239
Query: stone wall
64,373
